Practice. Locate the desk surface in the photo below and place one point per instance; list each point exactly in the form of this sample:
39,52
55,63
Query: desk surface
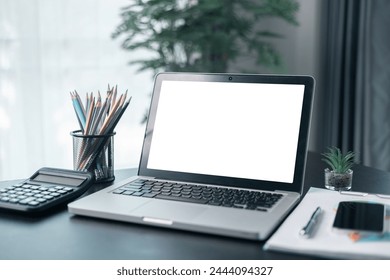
61,235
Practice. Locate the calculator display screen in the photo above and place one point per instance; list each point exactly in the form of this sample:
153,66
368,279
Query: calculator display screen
59,180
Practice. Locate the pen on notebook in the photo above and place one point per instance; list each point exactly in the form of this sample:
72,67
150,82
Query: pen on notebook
308,229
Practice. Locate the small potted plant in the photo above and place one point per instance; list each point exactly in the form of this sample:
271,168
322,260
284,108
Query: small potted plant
339,176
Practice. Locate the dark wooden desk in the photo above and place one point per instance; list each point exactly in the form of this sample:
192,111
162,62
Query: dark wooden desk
61,235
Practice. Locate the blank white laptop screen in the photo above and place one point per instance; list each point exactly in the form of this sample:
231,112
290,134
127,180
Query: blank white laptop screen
243,130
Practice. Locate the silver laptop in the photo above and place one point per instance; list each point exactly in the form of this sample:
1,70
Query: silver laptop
223,154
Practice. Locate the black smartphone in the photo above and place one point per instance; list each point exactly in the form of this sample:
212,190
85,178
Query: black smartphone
359,216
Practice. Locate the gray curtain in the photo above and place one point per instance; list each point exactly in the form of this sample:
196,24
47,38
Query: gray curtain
357,79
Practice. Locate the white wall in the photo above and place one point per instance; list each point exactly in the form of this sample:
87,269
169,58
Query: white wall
47,49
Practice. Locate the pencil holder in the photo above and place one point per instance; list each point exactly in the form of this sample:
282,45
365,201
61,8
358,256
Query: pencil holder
94,153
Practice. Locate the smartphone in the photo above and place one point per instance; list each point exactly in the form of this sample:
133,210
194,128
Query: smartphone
363,217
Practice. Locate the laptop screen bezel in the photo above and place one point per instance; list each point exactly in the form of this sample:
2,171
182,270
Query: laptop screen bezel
300,162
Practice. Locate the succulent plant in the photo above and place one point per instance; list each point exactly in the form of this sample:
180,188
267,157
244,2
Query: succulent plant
338,162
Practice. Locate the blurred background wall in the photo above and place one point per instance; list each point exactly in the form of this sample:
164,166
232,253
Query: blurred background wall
51,47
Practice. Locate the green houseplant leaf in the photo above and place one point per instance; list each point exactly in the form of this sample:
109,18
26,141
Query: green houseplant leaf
203,35
338,162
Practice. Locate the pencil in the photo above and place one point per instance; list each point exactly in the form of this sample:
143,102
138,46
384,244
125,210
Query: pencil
97,119
79,113
89,116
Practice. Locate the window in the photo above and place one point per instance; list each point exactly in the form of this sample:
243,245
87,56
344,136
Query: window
47,49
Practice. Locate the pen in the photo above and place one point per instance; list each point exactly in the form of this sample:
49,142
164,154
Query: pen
307,230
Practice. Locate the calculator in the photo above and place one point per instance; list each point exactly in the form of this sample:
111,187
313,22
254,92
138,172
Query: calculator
44,190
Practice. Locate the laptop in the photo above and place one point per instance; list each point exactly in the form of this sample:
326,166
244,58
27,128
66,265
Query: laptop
223,154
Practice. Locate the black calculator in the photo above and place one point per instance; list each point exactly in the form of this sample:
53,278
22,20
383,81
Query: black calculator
44,190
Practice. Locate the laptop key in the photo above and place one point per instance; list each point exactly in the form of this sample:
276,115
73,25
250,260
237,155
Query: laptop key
227,204
216,203
155,192
251,207
148,195
135,187
137,193
138,182
238,205
182,199
118,191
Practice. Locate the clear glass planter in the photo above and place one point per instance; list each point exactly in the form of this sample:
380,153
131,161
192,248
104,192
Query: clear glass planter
338,181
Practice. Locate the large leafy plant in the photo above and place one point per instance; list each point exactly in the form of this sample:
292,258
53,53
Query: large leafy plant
202,35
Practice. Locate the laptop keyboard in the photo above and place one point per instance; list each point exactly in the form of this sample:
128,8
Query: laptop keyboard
218,196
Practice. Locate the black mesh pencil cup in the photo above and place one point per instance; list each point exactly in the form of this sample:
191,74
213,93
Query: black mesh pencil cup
94,153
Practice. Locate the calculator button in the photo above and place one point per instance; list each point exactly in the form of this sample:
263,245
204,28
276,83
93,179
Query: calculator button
22,196
29,194
41,200
43,189
34,187
13,200
68,189
45,192
26,200
5,198
38,195
61,191
18,185
33,203
55,194
48,197
59,187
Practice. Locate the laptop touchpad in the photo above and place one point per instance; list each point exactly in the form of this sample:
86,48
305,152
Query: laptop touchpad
170,211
